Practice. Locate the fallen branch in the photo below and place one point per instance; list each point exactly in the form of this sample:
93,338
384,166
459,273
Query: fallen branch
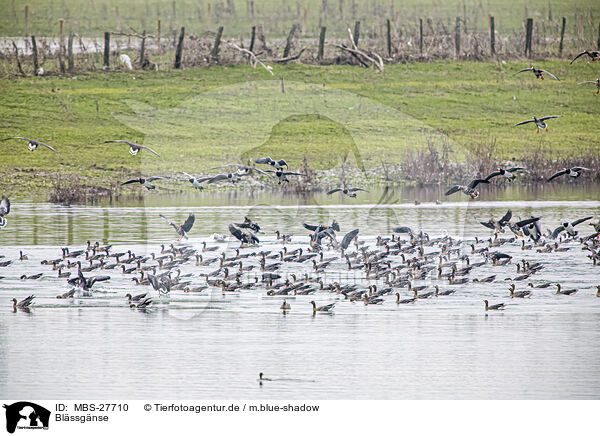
253,59
289,58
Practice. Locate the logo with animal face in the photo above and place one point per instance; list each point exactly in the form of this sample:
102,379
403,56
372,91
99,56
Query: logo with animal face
26,415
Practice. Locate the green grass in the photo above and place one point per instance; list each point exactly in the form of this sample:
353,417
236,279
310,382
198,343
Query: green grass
200,118
93,17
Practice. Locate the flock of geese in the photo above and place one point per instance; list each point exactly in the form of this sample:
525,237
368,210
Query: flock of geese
385,267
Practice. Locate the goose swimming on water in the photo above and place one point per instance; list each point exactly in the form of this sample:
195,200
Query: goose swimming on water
23,304
499,306
322,309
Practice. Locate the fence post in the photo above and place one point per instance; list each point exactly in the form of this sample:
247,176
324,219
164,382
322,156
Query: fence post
106,50
70,59
492,36
321,44
34,55
214,54
356,32
179,49
598,42
389,38
26,21
562,36
528,36
252,39
457,37
143,49
118,19
158,34
288,43
421,35
61,48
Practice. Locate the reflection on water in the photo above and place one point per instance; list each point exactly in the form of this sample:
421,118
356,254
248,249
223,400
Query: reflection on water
213,345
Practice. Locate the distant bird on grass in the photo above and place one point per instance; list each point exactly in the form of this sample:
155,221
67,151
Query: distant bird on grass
144,181
592,54
33,144
539,122
4,210
571,172
595,82
134,147
539,73
183,229
468,190
350,192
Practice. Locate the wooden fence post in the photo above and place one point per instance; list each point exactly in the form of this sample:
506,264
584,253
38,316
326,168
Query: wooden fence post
158,34
389,38
214,54
61,48
457,38
562,36
179,49
252,39
321,44
356,32
106,50
118,19
492,36
143,49
598,42
70,59
34,55
528,36
288,42
26,21
421,35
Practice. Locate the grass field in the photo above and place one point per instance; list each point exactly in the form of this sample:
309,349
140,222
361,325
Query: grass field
93,17
200,118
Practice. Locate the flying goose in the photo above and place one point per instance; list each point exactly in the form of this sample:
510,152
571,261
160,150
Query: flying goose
242,169
569,227
249,224
196,182
277,164
134,147
539,73
468,190
33,144
4,210
350,192
571,172
144,181
244,236
183,229
282,175
539,122
593,54
595,82
506,173
498,225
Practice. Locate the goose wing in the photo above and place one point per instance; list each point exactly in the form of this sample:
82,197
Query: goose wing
264,160
550,74
402,229
147,148
558,174
326,308
291,173
515,169
95,279
548,117
587,81
525,69
494,174
578,56
452,190
309,227
171,223
488,225
333,191
19,137
506,218
122,141
557,231
130,181
357,189
189,222
476,182
581,220
237,233
523,122
218,178
527,221
45,145
151,179
348,238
